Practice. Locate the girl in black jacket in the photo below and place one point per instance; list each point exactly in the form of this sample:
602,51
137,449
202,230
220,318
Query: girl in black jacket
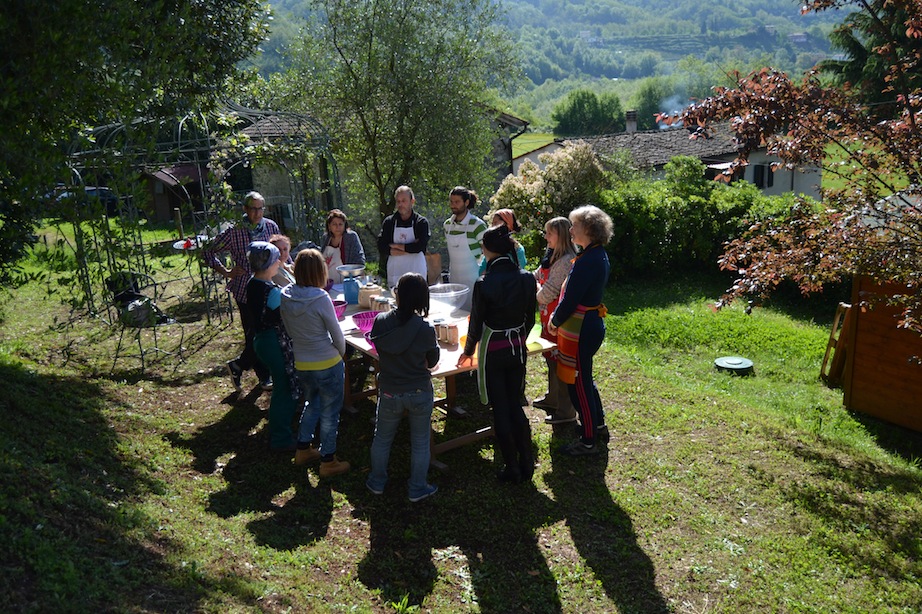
502,315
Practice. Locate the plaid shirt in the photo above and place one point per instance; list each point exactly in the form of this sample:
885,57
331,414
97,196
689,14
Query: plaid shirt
236,240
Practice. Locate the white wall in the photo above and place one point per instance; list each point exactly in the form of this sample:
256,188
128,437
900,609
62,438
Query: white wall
533,156
798,181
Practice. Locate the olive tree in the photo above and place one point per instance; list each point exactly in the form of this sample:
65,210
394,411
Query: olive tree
405,87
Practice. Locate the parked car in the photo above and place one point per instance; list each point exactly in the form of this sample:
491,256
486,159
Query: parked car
91,194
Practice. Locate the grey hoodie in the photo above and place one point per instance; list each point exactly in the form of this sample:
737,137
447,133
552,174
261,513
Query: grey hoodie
311,322
405,352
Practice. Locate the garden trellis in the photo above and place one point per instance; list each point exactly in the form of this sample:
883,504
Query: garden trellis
195,159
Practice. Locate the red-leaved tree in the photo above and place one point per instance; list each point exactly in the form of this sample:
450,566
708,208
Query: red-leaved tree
872,223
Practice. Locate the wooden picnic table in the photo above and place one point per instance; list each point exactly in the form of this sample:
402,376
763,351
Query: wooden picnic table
446,369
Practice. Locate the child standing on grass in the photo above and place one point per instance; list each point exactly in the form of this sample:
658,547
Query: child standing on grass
271,342
407,351
319,346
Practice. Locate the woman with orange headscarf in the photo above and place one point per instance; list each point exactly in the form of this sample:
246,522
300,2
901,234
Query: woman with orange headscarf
506,217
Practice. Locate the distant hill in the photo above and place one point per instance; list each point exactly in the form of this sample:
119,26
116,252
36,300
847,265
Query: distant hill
641,38
630,39
613,45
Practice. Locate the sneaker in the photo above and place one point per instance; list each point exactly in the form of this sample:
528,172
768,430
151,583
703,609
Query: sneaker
578,448
601,433
235,373
509,474
333,467
266,384
431,489
544,403
557,419
374,491
306,455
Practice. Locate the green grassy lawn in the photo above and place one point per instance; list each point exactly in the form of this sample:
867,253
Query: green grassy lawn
156,492
530,141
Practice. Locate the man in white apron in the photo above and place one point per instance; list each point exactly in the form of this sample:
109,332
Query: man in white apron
463,232
403,239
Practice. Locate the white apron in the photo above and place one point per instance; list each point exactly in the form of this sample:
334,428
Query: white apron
334,259
405,263
462,267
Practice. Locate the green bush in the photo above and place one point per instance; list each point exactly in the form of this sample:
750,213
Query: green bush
572,176
682,222
679,223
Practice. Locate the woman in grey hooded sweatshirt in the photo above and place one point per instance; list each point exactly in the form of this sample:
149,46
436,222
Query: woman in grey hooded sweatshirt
319,347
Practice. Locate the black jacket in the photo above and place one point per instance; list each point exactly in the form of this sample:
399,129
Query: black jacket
503,298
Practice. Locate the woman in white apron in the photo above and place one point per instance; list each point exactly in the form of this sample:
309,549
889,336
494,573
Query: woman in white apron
404,237
463,232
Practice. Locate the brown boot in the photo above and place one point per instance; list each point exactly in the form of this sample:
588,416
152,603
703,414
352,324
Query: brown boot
548,402
565,411
333,467
306,455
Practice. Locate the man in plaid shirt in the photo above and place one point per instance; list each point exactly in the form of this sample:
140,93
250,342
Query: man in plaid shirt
253,227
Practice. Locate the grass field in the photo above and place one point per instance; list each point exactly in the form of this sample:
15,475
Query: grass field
156,492
529,142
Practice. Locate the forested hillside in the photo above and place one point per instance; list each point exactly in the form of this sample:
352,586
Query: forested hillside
641,38
617,46
631,39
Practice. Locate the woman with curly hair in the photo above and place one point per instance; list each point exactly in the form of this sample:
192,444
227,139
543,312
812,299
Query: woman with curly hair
579,322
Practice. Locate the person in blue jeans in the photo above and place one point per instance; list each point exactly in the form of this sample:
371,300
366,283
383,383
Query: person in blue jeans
319,347
407,351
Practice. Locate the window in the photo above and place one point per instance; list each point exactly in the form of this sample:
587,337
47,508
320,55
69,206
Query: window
762,176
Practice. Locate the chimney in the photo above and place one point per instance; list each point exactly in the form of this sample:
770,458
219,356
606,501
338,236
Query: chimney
630,118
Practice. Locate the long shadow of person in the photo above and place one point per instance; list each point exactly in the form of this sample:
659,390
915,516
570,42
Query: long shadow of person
484,542
603,533
225,436
257,480
297,521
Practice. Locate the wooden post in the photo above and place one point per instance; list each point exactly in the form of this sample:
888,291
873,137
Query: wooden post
177,216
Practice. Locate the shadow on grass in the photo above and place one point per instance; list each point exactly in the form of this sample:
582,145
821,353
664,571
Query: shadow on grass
481,537
898,440
255,477
854,513
68,536
481,532
603,533
227,436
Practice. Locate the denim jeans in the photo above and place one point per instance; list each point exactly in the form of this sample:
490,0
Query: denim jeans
323,399
418,405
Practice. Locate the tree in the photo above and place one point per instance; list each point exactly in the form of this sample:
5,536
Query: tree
583,113
872,225
572,176
71,64
405,86
873,41
648,100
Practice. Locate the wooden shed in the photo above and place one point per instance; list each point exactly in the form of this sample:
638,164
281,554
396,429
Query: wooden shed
882,373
